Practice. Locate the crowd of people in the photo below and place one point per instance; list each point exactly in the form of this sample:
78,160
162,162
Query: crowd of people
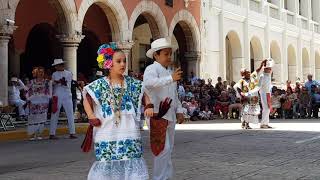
203,100
114,105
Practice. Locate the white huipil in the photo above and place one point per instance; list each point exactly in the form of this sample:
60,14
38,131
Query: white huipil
251,108
118,146
158,86
39,94
64,99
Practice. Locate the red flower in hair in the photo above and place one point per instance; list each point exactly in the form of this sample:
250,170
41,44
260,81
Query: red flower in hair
110,51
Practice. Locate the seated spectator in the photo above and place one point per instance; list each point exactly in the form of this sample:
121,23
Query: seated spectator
14,88
304,102
206,114
185,110
234,104
276,104
288,103
193,109
222,104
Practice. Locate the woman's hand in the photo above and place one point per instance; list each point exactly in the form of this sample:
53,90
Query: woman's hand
95,122
148,112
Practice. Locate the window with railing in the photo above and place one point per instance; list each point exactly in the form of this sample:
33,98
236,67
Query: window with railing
274,11
290,17
304,23
255,5
236,2
316,28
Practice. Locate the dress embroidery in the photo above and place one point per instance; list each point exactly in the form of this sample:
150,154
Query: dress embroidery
118,150
131,95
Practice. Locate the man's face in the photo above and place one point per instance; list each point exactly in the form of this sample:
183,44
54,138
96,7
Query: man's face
310,77
267,70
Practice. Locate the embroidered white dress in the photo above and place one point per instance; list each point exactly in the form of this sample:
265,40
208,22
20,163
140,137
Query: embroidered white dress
251,108
118,148
39,94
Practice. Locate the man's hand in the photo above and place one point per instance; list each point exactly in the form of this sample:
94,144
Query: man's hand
180,118
148,112
177,75
263,63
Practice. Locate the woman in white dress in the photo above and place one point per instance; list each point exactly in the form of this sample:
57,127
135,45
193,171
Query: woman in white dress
38,96
113,106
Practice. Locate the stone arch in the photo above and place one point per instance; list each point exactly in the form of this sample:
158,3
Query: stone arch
317,65
115,13
190,28
233,56
184,27
153,14
305,63
256,53
275,54
292,63
66,11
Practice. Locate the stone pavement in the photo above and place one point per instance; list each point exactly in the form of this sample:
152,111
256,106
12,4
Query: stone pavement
207,150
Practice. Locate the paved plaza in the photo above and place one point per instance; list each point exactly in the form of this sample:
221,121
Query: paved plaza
206,150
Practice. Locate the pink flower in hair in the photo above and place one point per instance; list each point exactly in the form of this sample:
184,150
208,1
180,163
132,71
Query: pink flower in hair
107,64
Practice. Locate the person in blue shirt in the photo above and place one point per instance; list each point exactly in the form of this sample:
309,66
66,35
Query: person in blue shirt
310,82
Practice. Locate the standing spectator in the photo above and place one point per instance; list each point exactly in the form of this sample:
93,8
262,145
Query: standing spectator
14,88
181,91
219,85
310,82
38,96
62,90
315,101
193,78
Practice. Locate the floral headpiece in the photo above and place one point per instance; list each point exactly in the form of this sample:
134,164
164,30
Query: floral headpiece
105,53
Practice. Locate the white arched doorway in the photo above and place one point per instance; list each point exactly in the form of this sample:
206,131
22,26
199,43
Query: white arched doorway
256,53
233,56
305,63
275,54
292,64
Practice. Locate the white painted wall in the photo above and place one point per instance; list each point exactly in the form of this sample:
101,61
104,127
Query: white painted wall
223,17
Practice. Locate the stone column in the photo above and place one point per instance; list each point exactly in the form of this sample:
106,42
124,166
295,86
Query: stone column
5,33
193,60
70,45
126,48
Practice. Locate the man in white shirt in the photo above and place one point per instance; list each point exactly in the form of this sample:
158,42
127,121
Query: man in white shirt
62,90
15,86
265,93
160,82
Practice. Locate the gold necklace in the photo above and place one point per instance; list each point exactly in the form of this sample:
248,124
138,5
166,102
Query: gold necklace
116,105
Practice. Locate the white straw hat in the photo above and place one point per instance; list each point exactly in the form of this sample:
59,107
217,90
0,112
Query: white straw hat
14,79
57,61
159,44
269,63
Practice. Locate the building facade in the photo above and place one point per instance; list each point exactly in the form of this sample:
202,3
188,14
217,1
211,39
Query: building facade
241,33
33,33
